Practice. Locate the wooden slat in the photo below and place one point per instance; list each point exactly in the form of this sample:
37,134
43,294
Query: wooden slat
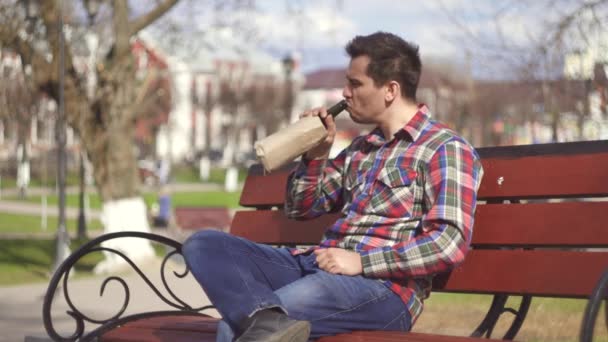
272,227
567,224
550,149
394,336
177,328
186,329
535,272
202,217
545,176
264,189
126,334
576,169
178,322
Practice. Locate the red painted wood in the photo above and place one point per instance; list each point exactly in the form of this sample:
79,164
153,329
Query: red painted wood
542,176
165,329
188,328
124,334
546,176
537,272
542,224
566,224
202,217
394,336
271,226
177,322
264,190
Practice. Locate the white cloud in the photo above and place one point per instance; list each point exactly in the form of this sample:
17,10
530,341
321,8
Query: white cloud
319,29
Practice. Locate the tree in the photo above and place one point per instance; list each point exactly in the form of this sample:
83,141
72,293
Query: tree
104,121
18,104
534,51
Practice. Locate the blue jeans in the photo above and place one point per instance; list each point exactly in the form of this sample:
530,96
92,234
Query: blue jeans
241,277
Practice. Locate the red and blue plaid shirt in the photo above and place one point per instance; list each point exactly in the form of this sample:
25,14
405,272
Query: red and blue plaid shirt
407,203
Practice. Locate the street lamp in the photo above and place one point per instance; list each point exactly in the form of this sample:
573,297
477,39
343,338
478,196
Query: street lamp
92,8
62,248
31,9
288,65
63,240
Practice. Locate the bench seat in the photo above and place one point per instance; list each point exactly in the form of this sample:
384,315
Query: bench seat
202,329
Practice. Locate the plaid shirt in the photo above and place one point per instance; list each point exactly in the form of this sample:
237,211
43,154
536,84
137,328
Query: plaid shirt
407,204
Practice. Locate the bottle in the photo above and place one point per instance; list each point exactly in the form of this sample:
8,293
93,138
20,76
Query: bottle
282,147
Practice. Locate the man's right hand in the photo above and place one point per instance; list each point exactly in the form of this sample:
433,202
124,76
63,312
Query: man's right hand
321,151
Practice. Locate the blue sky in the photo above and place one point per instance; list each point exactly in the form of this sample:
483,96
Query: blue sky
320,28
317,30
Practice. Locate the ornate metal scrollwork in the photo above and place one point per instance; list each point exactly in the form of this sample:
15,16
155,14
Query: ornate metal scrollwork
63,274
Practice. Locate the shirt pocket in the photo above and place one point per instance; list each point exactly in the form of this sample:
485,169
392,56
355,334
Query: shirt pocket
393,192
353,185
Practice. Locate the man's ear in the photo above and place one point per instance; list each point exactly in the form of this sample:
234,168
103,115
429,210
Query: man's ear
393,91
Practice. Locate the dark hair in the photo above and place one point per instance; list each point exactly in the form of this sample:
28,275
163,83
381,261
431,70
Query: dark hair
391,58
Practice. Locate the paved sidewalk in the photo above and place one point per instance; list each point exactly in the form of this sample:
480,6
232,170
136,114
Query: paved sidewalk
21,306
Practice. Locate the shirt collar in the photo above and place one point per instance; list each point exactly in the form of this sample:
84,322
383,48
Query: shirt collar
410,131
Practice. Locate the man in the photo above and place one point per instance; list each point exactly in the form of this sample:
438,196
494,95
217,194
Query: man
407,194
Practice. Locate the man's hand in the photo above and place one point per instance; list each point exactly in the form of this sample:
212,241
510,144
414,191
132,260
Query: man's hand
321,151
339,261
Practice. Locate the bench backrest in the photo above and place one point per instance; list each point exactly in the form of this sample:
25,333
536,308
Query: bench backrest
541,207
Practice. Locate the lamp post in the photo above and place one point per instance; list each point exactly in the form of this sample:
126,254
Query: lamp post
62,244
62,249
288,66
92,8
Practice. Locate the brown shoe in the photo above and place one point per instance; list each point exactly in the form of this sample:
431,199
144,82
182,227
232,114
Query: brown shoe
274,326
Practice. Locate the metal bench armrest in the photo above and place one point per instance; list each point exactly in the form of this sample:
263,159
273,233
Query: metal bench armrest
62,275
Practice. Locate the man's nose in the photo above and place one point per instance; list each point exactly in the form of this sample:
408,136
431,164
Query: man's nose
346,92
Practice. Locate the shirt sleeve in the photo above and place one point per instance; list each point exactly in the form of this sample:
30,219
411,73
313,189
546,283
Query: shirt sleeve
315,187
451,184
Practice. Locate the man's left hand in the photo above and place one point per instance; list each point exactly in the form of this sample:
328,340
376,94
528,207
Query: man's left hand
339,261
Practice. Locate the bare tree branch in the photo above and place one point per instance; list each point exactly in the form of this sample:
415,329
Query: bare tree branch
145,20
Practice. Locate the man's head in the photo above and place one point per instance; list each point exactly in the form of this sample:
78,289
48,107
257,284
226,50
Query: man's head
391,58
383,69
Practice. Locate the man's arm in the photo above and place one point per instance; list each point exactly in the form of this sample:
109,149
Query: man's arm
315,187
453,178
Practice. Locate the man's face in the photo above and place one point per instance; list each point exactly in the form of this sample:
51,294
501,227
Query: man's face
365,100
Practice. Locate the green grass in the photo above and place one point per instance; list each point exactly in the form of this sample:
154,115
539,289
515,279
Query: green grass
10,181
551,304
210,198
17,223
187,174
71,200
179,174
549,319
27,261
205,199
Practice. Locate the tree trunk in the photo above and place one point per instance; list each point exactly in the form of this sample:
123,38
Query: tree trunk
108,138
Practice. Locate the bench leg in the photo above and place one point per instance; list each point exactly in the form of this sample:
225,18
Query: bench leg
62,275
497,308
593,306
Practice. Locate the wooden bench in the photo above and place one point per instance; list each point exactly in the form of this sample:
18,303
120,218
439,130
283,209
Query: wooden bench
542,208
195,218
